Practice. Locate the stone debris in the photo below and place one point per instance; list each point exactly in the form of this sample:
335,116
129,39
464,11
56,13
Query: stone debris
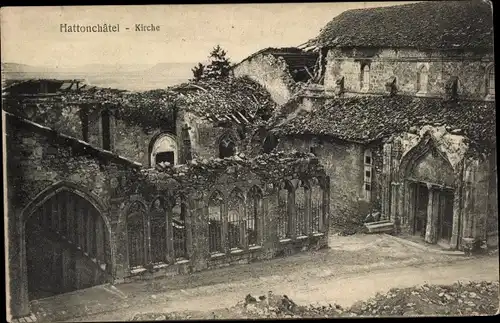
478,298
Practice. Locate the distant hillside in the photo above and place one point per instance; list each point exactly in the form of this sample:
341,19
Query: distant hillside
23,68
130,77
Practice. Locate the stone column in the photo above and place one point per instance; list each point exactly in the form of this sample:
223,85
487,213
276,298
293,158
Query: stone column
432,214
292,218
307,215
410,198
117,256
396,204
189,227
386,182
170,235
17,267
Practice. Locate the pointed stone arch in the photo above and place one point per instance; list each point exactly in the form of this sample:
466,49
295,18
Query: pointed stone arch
79,221
411,159
163,143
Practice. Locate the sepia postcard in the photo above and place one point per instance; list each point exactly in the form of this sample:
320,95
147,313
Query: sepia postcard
249,161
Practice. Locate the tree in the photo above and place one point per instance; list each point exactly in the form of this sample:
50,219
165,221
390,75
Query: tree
219,66
198,71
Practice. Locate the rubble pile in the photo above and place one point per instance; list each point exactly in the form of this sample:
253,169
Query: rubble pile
273,167
467,298
470,298
281,306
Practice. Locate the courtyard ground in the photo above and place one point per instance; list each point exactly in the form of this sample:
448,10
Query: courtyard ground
354,268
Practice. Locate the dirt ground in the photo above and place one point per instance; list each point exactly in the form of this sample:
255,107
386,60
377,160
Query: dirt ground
354,268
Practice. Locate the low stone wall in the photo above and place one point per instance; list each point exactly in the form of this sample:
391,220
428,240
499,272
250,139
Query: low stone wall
198,181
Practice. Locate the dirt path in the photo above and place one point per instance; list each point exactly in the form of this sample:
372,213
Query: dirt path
344,289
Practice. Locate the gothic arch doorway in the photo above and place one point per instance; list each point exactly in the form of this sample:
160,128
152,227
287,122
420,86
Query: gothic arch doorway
429,181
67,245
163,148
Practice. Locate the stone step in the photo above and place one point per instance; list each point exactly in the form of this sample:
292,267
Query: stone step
380,227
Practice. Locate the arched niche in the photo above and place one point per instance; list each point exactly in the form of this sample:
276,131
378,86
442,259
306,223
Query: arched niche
63,226
163,148
227,145
425,163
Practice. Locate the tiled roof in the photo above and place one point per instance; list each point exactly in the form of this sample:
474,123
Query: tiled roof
364,119
423,25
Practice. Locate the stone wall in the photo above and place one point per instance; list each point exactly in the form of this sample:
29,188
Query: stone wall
39,162
42,162
270,72
204,135
343,163
197,182
470,68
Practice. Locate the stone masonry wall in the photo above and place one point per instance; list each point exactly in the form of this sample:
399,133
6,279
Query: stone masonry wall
470,68
343,163
39,159
204,135
197,181
270,72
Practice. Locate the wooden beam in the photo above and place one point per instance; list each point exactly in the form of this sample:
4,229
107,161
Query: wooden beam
243,117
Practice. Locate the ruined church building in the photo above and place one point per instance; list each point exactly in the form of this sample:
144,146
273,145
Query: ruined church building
373,115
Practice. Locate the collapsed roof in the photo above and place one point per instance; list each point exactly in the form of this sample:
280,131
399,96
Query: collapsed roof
300,63
234,99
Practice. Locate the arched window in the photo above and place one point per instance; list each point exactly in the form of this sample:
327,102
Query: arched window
368,161
158,218
254,217
300,210
215,204
317,209
284,211
137,231
179,214
227,146
365,77
422,79
235,218
163,149
270,143
490,80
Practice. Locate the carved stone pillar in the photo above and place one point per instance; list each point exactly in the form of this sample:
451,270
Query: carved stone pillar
292,214
118,240
410,198
17,266
386,180
432,215
395,202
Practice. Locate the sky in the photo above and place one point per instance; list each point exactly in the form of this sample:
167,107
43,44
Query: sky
31,35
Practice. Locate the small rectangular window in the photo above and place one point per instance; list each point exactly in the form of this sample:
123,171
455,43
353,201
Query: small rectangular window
368,160
368,174
368,187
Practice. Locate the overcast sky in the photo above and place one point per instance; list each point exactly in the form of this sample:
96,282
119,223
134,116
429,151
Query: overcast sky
31,35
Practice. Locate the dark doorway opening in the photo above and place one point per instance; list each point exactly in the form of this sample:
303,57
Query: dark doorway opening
66,247
445,219
270,143
227,148
421,210
165,156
